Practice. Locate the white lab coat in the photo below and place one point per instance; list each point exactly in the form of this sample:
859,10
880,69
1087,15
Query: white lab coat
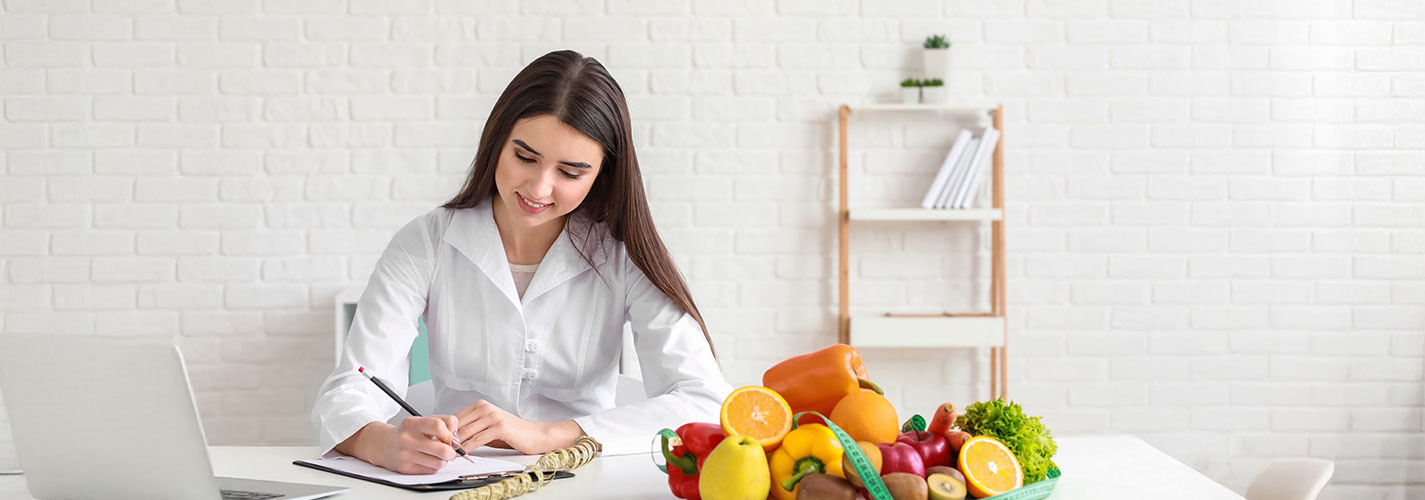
551,355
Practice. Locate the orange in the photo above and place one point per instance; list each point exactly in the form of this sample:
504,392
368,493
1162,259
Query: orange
759,413
867,416
989,467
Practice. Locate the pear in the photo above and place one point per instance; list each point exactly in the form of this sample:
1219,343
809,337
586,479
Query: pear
735,470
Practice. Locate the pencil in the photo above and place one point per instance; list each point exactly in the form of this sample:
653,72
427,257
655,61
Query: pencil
454,440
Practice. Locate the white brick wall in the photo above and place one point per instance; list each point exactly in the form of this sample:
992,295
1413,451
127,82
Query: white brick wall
1215,217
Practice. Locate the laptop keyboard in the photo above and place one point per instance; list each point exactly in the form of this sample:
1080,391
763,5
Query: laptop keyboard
247,495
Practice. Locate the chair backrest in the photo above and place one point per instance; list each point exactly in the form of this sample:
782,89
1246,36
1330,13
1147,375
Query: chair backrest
1292,479
420,395
420,352
630,382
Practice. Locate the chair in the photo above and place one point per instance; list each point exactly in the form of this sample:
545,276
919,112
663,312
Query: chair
1292,479
629,388
420,394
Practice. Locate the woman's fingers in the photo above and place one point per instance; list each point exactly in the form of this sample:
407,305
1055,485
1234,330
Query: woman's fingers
491,432
436,450
473,411
420,461
469,429
473,415
441,428
452,423
438,435
423,445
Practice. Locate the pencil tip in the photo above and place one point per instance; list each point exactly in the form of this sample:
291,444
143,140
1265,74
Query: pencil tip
361,369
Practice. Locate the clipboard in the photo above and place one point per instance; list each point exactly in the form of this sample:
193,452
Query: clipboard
462,483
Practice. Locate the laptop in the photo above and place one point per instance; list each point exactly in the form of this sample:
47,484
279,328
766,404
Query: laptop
96,418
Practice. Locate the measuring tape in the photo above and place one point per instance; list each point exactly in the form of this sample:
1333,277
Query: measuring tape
584,450
864,469
915,423
673,441
1036,491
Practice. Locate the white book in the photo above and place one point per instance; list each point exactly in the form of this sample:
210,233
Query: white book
962,165
977,167
942,177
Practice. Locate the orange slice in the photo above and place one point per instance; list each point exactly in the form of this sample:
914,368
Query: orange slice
989,467
759,413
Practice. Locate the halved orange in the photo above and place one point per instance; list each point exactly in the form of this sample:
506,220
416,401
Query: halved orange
759,413
989,467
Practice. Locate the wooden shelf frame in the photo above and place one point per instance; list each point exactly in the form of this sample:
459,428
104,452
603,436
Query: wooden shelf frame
958,108
930,330
925,214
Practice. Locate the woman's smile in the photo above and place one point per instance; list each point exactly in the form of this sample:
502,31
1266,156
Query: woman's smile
532,207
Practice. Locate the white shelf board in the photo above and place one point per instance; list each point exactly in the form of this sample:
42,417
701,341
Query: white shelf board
923,214
966,107
945,331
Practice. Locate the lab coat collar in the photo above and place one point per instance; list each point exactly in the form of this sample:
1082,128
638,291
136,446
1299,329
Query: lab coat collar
473,233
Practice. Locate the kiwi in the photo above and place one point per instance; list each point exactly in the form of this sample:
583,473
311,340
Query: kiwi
850,472
944,487
949,471
906,486
825,487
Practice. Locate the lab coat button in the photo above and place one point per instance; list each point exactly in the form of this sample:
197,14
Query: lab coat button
530,374
531,346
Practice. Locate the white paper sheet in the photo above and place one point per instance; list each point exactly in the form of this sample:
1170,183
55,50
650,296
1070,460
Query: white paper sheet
451,471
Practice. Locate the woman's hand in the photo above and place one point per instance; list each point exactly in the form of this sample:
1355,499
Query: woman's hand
484,424
420,445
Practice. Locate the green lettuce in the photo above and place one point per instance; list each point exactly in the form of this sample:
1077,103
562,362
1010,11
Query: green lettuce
1026,436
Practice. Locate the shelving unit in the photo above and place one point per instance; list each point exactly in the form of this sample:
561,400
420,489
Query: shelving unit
974,330
921,214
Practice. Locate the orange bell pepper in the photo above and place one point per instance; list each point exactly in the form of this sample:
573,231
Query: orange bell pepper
815,381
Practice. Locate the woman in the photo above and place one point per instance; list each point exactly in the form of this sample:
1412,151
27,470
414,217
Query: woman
525,281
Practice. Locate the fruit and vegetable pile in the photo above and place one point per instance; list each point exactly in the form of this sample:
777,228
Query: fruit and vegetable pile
817,428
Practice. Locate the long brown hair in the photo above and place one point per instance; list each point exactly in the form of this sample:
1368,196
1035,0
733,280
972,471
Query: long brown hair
579,91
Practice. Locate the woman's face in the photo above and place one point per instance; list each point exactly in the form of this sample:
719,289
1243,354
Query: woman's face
545,170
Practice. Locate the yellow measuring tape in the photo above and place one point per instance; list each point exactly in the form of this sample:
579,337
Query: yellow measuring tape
582,452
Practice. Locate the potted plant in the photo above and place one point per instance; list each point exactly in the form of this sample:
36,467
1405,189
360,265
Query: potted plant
933,91
910,91
937,57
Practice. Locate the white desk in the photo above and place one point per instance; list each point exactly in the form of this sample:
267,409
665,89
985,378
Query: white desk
1097,468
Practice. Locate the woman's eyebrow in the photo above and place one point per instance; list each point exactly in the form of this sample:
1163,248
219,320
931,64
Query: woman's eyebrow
577,164
526,146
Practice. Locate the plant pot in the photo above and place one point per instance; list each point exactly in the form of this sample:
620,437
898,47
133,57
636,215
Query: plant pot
910,95
937,63
934,95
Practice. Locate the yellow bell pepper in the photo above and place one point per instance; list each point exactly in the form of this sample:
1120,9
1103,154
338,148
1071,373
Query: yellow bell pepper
808,449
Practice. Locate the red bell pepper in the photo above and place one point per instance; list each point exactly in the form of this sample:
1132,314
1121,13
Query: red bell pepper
685,458
900,457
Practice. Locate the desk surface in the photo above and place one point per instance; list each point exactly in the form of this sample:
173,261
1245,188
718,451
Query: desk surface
1098,468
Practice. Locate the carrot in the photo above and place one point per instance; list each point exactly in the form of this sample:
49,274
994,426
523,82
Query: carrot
943,420
957,439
